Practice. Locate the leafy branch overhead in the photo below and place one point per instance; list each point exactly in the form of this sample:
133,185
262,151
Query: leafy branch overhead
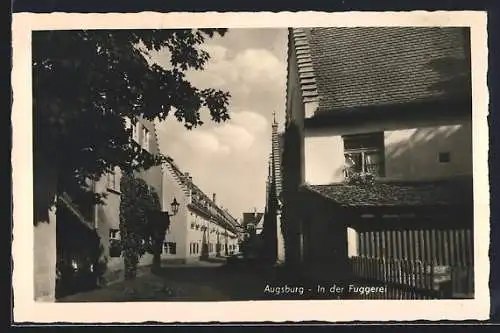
85,82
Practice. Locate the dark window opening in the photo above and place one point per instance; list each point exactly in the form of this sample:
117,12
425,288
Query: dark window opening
172,247
114,233
364,153
444,157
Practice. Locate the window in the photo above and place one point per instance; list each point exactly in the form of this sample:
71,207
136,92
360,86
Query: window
444,157
364,153
114,233
145,138
113,181
128,123
165,247
135,130
172,247
115,249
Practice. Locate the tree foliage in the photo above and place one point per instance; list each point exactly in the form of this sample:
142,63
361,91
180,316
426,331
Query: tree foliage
138,200
85,82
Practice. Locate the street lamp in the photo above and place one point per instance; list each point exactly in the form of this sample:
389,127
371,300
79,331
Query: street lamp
175,207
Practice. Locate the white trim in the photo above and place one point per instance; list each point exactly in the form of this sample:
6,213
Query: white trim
310,108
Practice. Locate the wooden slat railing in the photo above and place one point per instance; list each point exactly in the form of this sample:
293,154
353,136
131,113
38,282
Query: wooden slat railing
415,277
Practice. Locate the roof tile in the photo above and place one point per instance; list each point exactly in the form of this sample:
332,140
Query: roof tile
398,194
368,66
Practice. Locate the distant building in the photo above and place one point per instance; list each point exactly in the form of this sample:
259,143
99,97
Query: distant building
252,223
273,241
202,228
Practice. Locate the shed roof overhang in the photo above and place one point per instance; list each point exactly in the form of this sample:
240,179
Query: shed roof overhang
395,211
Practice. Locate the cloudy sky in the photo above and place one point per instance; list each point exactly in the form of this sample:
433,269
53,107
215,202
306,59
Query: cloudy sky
231,158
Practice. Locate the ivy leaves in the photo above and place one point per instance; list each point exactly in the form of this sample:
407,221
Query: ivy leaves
137,201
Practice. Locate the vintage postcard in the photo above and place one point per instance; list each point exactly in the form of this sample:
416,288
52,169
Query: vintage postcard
250,167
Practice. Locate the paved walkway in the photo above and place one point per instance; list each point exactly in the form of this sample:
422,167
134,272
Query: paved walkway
201,281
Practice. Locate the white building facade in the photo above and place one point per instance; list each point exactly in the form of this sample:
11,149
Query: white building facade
201,229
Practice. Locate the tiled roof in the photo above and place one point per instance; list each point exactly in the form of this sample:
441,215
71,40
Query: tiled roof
398,194
188,187
349,67
277,146
253,217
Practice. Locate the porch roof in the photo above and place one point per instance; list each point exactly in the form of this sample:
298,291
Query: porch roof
398,194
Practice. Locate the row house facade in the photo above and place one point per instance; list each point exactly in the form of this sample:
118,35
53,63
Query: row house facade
107,216
202,229
72,232
377,161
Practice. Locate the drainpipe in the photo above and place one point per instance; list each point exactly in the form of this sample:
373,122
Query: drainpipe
96,208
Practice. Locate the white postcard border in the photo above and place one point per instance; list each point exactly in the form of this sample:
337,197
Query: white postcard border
26,310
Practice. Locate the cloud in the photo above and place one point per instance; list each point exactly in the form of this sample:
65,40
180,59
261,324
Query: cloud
248,68
233,154
240,132
217,52
203,141
258,66
250,120
235,136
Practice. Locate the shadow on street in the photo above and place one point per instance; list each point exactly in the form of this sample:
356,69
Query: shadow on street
205,282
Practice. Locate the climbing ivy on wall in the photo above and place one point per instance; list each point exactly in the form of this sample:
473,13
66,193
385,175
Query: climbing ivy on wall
138,199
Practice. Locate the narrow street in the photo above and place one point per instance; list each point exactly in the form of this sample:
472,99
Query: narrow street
200,281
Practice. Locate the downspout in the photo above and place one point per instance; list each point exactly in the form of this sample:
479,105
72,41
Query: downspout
96,208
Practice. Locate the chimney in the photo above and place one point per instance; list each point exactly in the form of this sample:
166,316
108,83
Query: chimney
213,198
188,177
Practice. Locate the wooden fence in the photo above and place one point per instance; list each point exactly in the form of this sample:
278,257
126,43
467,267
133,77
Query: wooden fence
417,263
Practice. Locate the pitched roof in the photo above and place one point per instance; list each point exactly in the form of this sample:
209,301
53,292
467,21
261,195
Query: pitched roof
398,194
189,188
254,218
349,67
276,150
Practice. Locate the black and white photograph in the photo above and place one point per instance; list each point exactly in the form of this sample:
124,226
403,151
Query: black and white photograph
281,161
